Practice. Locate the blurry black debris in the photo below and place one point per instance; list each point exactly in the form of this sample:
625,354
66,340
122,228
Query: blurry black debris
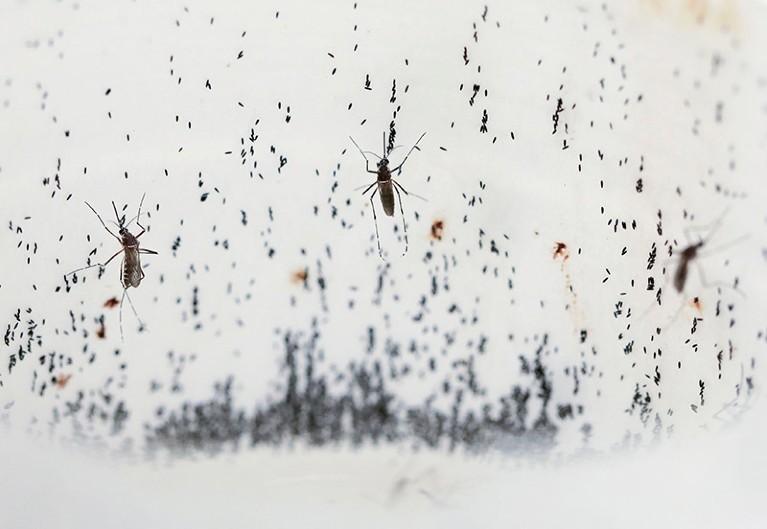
364,410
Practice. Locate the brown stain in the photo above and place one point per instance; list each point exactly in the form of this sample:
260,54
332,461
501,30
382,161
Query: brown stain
560,250
299,276
62,381
697,305
101,332
437,227
111,303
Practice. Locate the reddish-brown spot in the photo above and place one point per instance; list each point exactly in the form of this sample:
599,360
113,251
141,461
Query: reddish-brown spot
101,332
437,227
560,250
111,303
62,381
299,276
696,304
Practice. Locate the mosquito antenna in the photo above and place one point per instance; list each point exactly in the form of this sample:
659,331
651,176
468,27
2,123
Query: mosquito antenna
102,222
363,152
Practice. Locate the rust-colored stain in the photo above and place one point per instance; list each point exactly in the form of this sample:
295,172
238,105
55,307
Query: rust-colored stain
101,332
111,303
437,227
299,276
560,250
62,381
696,304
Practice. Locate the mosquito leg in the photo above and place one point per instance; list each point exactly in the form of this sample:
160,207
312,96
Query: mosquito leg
724,246
656,301
400,186
367,162
97,264
375,221
722,284
126,296
404,224
146,250
122,273
102,223
408,154
137,218
408,193
676,314
122,300
717,223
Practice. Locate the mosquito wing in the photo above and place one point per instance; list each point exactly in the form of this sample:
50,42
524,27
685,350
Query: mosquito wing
680,276
387,198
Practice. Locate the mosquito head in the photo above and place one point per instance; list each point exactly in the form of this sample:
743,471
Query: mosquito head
383,162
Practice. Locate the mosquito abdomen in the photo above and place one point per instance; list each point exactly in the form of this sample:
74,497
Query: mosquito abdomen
131,269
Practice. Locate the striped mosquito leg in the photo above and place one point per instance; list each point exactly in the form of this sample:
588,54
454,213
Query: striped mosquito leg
404,224
375,222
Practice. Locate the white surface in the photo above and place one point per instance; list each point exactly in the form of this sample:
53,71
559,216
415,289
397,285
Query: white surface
57,62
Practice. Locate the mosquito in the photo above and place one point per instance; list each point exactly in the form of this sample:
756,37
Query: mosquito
131,273
384,185
692,253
